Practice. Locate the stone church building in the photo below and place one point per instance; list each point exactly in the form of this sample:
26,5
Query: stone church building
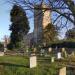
41,20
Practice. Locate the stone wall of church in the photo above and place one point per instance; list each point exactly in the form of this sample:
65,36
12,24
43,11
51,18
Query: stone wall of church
41,20
38,18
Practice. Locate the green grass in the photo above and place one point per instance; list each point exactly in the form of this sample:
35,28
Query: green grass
14,59
9,69
44,65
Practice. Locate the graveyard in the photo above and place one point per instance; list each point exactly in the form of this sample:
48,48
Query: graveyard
57,58
54,59
38,64
37,37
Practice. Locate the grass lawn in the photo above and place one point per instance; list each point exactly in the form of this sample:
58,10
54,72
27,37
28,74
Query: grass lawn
44,66
10,69
14,60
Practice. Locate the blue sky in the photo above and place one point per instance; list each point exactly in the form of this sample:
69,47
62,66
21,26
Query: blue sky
4,18
5,8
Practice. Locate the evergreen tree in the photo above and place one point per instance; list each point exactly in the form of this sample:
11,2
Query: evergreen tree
19,27
1,46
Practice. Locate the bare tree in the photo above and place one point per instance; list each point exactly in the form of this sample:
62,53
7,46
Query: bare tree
63,11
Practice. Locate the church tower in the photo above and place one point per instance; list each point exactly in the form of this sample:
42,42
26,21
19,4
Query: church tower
41,20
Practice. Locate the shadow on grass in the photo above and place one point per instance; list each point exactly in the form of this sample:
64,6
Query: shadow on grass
15,65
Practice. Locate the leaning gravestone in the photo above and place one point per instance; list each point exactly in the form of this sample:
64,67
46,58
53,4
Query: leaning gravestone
62,71
33,61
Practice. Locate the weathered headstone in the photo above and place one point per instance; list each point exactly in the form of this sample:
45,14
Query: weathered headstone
59,55
52,59
62,71
50,49
64,53
63,49
1,53
44,44
5,49
42,51
33,61
73,54
27,49
34,50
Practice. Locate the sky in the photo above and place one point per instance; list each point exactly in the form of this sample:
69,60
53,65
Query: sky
4,18
5,8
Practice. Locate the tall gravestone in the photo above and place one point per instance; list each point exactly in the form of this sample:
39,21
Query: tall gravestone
33,61
52,59
64,52
59,55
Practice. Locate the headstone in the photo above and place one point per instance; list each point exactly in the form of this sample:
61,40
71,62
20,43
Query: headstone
42,51
5,49
1,53
62,71
65,53
52,59
34,50
50,49
44,44
59,55
63,49
26,51
73,54
33,61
